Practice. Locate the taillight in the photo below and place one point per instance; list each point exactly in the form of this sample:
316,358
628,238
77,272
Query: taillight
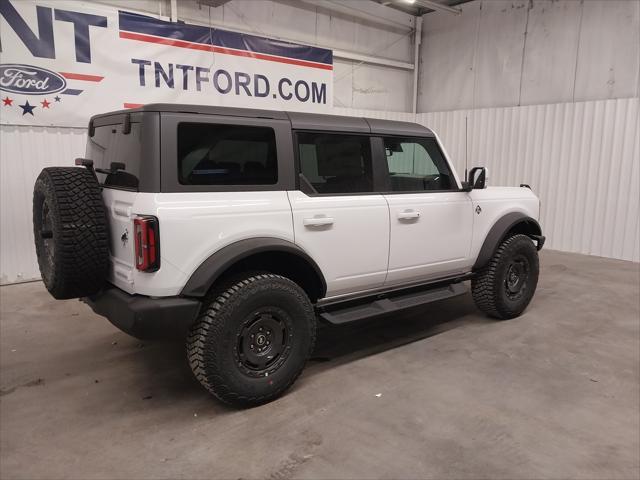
147,243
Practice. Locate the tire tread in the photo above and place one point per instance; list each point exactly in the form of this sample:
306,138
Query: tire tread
211,325
82,245
485,288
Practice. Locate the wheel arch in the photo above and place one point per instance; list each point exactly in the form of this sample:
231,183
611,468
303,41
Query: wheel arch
508,225
261,253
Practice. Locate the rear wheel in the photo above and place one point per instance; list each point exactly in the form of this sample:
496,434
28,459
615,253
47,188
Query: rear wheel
70,232
504,287
252,339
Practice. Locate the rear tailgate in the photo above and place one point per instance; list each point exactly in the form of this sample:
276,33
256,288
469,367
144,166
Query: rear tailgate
119,204
115,145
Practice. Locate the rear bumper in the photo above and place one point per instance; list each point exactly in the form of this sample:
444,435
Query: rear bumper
145,317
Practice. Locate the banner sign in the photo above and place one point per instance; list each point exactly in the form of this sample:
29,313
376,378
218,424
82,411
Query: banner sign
63,61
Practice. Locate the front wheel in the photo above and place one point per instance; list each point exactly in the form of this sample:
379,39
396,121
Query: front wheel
252,339
505,286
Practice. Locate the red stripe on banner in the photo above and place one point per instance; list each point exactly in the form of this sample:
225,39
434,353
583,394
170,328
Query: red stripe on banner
227,51
133,105
82,76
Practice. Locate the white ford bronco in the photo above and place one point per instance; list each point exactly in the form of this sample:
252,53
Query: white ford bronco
239,229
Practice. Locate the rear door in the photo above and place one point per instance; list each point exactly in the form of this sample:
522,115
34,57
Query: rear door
430,217
338,218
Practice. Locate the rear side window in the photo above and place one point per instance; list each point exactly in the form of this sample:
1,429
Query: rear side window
212,154
417,164
109,145
335,163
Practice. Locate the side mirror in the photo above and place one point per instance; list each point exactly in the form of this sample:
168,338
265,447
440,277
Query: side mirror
477,178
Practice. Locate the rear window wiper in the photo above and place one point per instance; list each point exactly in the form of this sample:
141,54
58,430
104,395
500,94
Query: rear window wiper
114,168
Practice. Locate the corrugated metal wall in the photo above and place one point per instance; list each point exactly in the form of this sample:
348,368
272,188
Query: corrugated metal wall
24,151
582,159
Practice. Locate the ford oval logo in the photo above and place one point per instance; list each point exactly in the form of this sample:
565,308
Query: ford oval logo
31,80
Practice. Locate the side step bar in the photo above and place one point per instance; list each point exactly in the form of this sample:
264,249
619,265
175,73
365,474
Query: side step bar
393,304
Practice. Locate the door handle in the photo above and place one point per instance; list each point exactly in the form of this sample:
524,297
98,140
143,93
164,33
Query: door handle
408,215
317,221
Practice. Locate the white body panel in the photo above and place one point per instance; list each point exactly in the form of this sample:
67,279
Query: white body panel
495,203
192,227
430,235
358,241
347,236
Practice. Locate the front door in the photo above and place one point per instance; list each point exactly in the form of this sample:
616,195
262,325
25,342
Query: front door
430,217
338,219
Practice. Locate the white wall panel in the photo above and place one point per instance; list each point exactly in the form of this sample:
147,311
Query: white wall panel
609,52
447,80
518,52
582,159
378,88
356,85
549,63
499,47
24,152
342,83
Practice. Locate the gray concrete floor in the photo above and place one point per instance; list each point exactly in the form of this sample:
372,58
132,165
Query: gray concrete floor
441,392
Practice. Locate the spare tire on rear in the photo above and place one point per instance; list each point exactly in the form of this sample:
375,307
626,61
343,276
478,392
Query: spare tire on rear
70,229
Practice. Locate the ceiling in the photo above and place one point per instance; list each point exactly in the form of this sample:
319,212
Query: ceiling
417,7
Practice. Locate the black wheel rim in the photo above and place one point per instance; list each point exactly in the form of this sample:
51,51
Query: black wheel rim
517,277
264,342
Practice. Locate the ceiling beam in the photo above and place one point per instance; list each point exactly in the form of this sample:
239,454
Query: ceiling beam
370,11
436,6
213,3
359,57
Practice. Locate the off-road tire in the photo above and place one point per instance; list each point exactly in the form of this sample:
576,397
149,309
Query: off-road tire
492,289
216,345
68,210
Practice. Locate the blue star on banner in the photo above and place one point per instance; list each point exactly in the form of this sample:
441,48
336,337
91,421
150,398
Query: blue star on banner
26,108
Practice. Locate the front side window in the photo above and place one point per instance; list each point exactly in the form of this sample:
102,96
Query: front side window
417,164
211,154
336,163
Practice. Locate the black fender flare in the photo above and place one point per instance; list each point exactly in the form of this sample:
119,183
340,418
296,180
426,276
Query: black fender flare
497,233
210,270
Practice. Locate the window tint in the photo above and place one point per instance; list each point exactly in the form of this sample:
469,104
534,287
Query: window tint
417,164
107,145
210,154
336,163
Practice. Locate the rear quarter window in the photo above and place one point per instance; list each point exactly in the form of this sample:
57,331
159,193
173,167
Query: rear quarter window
216,154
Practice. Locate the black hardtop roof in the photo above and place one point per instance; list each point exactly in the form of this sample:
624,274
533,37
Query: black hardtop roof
299,120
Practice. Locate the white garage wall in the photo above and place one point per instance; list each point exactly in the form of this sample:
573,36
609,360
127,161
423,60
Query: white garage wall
550,89
382,32
24,152
502,53
582,160
385,34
